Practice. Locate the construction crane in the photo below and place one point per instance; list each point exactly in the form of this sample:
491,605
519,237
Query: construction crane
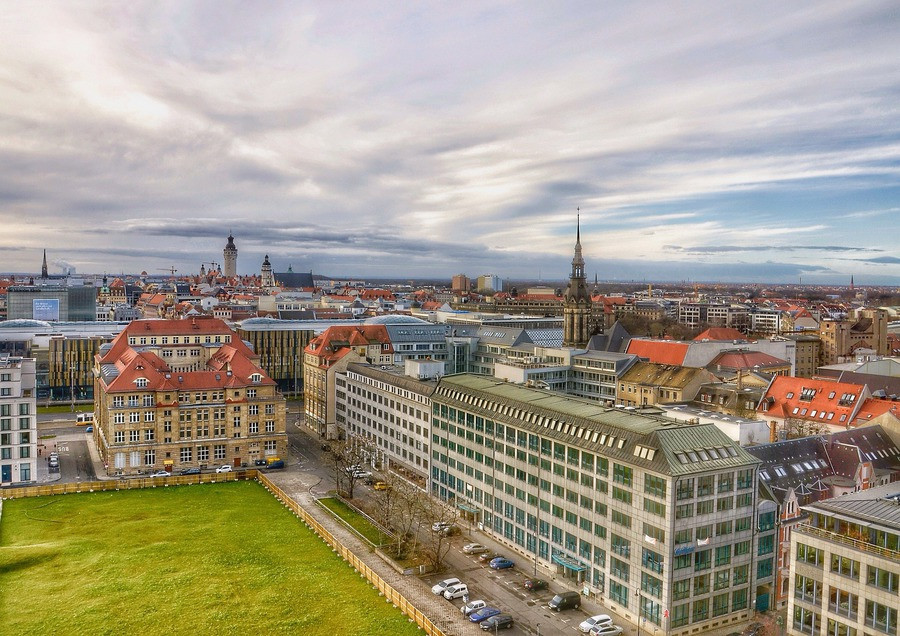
213,265
171,270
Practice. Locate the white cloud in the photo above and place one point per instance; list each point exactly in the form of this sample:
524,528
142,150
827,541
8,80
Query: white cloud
472,124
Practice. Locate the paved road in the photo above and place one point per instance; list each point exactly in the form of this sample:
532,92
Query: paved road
71,442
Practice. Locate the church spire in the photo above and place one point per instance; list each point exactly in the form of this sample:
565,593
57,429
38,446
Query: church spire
577,300
44,266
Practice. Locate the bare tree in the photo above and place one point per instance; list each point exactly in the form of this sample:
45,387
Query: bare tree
441,518
399,507
794,427
349,460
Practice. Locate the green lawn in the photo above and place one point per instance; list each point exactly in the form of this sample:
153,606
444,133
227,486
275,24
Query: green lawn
357,521
211,559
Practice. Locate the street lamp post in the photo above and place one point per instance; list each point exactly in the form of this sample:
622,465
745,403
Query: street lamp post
538,629
637,595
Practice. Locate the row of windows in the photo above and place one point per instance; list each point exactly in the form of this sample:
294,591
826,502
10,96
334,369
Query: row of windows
699,610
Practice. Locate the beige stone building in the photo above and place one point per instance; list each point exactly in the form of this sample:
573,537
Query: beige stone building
176,394
646,384
846,565
866,329
326,356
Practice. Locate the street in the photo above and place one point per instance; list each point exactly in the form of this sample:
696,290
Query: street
60,434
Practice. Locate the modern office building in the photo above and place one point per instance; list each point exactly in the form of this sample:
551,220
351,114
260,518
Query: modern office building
846,566
175,394
279,345
63,353
655,518
18,421
52,303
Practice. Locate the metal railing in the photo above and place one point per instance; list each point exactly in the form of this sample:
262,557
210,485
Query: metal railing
125,484
858,544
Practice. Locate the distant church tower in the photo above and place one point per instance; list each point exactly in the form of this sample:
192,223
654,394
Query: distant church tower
577,301
230,253
267,279
44,266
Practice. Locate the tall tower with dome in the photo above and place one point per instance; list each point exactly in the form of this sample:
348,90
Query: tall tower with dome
230,256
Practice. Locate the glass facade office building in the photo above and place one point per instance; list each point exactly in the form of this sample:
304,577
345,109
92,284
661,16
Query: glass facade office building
656,518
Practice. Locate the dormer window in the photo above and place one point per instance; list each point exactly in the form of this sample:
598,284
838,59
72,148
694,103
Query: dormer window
141,383
256,377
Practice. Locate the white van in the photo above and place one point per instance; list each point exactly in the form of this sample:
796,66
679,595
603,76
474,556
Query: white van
456,591
85,418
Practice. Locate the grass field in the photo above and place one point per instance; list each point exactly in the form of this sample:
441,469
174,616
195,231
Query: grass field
357,521
212,559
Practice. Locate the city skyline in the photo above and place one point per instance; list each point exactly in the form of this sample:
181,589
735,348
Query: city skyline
734,142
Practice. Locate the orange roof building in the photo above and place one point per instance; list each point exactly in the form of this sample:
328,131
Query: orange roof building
176,394
804,406
659,351
330,353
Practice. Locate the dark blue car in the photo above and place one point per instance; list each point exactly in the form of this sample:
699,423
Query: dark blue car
501,563
483,613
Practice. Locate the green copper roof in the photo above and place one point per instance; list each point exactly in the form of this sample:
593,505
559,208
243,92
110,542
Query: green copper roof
678,448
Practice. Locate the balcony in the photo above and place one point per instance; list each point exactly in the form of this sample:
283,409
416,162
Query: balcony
857,544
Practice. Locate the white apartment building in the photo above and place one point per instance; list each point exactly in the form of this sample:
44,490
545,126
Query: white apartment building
392,410
18,421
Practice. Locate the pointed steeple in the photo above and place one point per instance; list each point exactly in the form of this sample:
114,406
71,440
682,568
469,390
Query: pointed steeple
577,299
44,266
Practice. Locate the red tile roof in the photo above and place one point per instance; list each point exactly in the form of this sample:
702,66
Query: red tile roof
875,407
659,351
823,401
333,343
720,333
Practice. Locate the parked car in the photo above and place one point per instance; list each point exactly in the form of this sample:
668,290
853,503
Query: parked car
752,629
224,468
456,591
535,584
474,548
487,557
502,563
275,465
380,485
88,429
53,463
259,462
605,630
599,619
483,613
189,471
438,526
472,606
161,473
565,600
361,474
500,621
439,588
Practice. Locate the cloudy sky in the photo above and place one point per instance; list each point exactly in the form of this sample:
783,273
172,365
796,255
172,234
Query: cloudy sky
750,141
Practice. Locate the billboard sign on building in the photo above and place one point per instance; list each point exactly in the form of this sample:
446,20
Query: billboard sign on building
45,309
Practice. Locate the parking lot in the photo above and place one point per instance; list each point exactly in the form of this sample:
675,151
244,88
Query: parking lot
504,589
